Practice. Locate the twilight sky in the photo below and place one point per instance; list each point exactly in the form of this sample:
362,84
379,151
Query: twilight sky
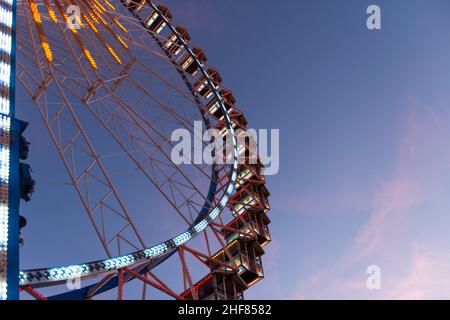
365,143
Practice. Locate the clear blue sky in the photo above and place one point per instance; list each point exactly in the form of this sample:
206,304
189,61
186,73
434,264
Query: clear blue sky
365,143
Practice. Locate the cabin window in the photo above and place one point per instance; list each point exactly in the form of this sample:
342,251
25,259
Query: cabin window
187,62
155,21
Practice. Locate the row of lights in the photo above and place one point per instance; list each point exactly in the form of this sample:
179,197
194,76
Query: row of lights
6,23
92,14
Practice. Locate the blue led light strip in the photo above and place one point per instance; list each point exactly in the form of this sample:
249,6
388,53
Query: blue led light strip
6,111
90,269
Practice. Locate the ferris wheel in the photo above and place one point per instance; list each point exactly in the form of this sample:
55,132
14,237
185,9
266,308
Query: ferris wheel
111,81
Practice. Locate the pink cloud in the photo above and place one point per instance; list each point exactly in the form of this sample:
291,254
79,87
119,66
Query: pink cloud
412,287
386,239
423,155
427,276
389,203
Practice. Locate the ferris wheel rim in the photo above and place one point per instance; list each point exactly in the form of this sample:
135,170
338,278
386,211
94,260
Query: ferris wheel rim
161,251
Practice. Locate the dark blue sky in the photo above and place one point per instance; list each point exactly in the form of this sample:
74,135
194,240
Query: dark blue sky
364,156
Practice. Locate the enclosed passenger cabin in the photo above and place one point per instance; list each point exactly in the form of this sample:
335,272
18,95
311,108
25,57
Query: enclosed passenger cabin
214,108
246,256
223,129
202,86
155,21
174,44
238,121
217,287
188,63
135,5
250,204
249,174
246,148
248,224
251,198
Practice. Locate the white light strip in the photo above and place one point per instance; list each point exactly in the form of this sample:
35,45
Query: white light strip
5,73
6,17
5,42
5,125
6,23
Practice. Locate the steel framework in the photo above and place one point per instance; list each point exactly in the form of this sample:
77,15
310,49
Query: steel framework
80,70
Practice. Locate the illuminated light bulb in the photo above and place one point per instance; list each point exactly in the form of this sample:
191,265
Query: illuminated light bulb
99,6
91,60
89,22
115,56
38,21
109,5
93,16
121,26
123,43
51,12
